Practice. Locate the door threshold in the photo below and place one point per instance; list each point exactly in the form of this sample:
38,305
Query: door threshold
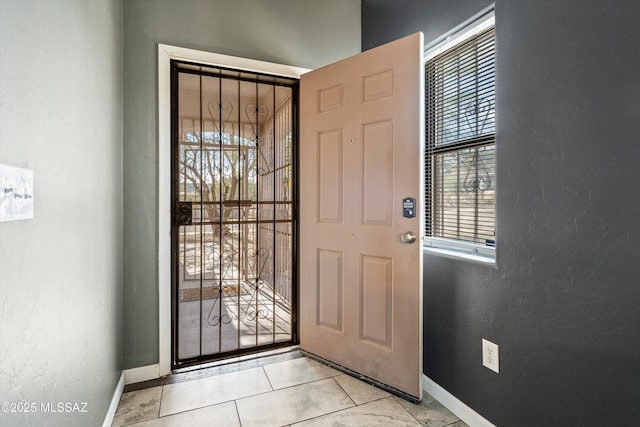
236,359
219,367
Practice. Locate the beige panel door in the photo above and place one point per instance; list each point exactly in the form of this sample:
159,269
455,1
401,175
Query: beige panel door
361,154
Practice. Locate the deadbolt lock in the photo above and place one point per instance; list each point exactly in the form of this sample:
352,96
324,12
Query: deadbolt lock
183,213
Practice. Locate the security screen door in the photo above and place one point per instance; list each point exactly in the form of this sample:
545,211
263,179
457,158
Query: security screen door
233,230
361,158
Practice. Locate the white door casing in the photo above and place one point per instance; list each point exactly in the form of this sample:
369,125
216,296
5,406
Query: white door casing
361,154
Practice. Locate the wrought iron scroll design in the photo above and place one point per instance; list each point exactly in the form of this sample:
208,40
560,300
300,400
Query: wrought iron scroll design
220,112
214,319
257,261
255,115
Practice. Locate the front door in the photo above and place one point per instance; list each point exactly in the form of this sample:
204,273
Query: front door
361,168
233,230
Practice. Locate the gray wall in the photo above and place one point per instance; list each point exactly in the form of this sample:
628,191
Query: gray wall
563,303
61,272
305,33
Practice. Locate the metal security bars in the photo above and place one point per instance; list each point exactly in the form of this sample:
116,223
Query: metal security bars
234,228
460,134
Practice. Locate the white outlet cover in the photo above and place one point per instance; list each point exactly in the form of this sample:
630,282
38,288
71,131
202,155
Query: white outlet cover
490,356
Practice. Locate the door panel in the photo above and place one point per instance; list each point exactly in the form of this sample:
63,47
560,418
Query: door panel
360,155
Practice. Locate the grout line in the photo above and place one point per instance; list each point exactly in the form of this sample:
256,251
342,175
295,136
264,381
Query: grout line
342,388
268,379
377,400
235,403
397,398
161,398
292,386
327,414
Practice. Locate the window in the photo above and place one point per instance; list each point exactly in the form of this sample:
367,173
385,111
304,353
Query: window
460,138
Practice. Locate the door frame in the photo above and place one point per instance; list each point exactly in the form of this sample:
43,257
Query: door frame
165,54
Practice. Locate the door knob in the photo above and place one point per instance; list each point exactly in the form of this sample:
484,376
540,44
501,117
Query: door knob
408,237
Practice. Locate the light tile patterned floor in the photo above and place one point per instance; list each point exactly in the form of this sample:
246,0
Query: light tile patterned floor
298,392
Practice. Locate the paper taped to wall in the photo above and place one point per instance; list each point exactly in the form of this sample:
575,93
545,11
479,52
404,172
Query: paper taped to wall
16,193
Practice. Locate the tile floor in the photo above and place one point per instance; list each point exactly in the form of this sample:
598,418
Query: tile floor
290,391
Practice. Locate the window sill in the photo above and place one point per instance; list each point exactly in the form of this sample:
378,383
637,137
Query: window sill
458,255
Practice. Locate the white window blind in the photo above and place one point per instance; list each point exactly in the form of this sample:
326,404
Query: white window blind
460,135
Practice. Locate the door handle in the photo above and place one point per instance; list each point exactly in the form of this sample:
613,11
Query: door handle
408,237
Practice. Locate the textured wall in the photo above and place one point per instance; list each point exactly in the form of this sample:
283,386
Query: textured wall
61,272
305,33
564,301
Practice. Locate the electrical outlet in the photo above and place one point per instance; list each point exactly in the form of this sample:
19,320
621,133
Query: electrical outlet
490,356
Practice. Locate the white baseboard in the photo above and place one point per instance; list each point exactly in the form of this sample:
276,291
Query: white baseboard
129,376
115,400
143,373
453,404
